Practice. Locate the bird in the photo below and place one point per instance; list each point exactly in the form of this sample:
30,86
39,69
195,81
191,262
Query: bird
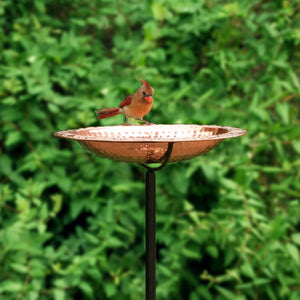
134,106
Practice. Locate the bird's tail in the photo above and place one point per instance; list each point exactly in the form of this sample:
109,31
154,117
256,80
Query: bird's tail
107,112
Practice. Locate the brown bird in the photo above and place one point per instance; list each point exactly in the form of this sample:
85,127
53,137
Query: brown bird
135,106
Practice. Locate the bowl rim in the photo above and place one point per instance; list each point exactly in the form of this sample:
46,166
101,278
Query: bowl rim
73,134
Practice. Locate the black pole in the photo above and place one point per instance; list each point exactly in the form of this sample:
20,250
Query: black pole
151,225
150,236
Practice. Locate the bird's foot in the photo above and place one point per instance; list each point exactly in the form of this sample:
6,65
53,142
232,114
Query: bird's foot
147,123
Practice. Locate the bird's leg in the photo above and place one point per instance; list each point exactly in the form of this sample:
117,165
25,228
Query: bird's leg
127,121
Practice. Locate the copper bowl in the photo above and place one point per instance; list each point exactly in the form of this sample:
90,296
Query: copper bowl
149,143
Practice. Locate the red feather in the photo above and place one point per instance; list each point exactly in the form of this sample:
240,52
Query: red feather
126,101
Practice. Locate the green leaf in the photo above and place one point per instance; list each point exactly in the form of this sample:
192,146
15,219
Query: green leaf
293,252
212,251
227,294
110,289
59,294
57,199
194,254
10,286
20,268
113,242
247,270
87,289
159,10
283,111
296,238
296,146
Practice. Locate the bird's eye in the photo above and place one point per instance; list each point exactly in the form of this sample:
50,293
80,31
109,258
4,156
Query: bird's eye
144,93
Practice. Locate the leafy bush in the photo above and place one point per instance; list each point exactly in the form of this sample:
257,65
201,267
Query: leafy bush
72,224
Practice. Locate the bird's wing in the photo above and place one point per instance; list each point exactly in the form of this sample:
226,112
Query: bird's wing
126,101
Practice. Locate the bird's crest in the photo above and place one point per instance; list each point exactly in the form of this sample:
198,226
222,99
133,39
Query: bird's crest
145,83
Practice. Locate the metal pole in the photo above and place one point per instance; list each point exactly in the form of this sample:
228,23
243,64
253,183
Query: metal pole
150,236
151,225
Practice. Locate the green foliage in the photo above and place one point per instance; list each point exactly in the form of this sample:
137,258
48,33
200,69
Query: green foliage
72,224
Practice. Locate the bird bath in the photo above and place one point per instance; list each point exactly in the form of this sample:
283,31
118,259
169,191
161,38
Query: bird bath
145,144
148,144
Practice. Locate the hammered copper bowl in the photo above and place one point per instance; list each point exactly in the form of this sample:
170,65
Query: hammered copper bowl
149,143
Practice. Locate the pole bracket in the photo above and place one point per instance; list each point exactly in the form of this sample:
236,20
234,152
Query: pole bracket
165,159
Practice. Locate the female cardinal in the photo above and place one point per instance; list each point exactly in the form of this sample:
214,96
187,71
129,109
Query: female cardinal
135,106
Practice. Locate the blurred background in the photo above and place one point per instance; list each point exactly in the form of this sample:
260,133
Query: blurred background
72,224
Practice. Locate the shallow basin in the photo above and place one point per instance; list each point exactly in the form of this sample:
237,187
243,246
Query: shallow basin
149,143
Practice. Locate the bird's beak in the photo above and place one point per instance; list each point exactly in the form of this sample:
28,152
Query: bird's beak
148,99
